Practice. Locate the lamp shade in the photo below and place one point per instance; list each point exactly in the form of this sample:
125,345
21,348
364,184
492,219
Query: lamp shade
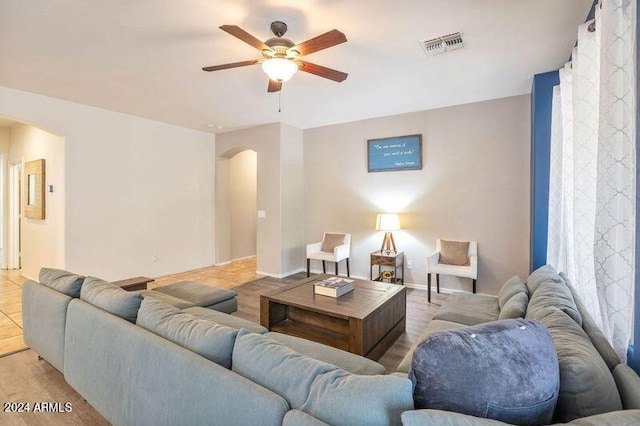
279,69
387,222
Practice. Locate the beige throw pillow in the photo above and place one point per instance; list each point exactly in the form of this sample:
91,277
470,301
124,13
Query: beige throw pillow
331,241
454,252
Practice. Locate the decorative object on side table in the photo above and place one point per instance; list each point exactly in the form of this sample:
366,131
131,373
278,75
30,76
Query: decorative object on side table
386,275
388,222
333,287
386,260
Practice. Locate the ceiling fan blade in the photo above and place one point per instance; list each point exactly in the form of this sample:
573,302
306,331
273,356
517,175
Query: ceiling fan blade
320,42
231,65
274,86
325,72
238,32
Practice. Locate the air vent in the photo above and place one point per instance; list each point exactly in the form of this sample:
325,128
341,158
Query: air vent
442,44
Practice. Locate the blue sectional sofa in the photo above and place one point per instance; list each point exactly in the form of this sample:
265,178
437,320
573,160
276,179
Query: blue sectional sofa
198,366
141,361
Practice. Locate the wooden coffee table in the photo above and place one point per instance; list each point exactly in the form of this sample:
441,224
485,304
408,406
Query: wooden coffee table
365,321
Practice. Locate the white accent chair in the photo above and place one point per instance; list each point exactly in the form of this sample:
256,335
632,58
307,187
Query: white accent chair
435,267
340,252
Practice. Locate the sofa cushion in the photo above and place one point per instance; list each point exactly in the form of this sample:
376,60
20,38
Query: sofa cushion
62,281
353,363
553,294
590,327
503,370
516,307
586,384
196,293
542,274
226,319
206,338
331,241
449,418
433,326
513,286
615,418
454,253
111,298
444,418
300,418
628,384
171,300
322,390
469,309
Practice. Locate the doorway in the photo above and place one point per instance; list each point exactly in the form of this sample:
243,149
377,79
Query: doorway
14,240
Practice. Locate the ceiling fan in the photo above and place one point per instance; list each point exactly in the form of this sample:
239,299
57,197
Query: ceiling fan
281,57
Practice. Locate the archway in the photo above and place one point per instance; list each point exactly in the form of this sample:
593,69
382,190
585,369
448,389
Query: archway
236,201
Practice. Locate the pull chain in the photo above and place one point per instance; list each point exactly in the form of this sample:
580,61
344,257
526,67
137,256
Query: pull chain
279,100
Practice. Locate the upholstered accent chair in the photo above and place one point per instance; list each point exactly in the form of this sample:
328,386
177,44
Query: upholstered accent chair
455,258
334,247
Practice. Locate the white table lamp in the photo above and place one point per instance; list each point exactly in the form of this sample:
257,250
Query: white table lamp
387,222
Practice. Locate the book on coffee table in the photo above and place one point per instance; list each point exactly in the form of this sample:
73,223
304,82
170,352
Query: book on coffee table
333,287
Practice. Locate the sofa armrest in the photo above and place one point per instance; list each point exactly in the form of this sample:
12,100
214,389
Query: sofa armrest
628,384
313,248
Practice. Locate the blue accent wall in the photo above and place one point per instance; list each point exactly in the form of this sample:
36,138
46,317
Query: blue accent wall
541,102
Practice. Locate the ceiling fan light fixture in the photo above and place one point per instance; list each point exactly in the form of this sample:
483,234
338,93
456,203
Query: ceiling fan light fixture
279,69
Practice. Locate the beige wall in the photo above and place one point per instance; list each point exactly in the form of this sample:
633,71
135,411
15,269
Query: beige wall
474,185
242,204
265,141
5,141
138,193
43,242
292,199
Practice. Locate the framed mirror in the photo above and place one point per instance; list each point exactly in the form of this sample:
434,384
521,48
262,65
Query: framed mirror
34,189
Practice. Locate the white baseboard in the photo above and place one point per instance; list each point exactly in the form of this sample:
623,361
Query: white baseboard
29,277
282,275
243,258
422,287
234,260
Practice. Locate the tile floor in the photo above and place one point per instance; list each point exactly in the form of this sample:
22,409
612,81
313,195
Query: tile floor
11,312
226,276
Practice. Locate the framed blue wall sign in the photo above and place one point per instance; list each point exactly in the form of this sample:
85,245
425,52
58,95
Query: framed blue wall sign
392,154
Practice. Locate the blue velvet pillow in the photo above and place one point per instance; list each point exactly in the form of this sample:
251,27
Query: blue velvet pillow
502,370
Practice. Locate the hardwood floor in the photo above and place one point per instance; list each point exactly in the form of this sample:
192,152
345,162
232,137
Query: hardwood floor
26,379
226,276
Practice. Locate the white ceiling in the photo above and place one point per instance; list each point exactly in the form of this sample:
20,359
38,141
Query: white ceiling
144,57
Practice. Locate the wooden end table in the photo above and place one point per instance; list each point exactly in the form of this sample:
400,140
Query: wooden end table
365,321
134,284
385,258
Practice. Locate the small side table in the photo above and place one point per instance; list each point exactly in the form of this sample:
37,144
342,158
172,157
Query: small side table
384,258
134,284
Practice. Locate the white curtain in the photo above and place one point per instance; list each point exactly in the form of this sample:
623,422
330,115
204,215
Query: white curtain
592,175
